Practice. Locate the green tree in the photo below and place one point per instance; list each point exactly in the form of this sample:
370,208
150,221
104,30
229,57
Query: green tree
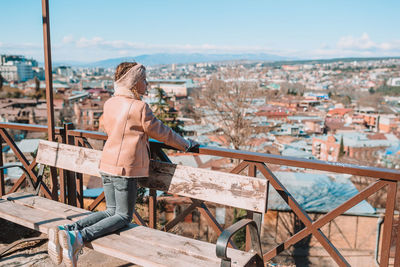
1,81
341,148
240,237
165,113
371,90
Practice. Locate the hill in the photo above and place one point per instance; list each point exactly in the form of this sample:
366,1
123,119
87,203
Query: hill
162,58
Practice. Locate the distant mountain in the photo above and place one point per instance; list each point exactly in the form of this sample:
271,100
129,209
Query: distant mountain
159,59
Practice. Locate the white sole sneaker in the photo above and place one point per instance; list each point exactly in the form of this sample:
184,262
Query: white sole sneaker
70,252
53,246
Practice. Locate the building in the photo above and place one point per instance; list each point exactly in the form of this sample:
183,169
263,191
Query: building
175,87
355,145
388,123
312,124
22,111
17,68
65,71
340,113
9,72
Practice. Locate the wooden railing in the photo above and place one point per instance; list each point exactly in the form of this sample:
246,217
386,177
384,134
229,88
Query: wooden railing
71,185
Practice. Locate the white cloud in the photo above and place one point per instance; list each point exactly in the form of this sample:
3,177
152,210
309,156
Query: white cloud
126,46
364,43
355,46
346,46
71,47
350,42
68,39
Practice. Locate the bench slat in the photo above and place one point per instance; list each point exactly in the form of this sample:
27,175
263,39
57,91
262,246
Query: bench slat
219,187
29,217
68,157
125,245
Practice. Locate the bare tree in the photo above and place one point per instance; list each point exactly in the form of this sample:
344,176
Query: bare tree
38,94
227,105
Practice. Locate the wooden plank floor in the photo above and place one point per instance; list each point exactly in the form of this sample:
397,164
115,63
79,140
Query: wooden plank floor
137,244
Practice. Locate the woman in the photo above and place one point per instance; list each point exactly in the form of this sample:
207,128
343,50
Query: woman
128,122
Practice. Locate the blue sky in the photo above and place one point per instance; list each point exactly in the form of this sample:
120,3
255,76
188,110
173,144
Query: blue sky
89,30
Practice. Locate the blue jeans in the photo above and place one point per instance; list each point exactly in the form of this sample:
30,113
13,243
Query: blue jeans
120,194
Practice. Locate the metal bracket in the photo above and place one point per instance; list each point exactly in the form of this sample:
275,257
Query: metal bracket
226,235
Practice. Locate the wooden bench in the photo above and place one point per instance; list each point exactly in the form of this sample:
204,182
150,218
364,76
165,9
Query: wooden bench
142,245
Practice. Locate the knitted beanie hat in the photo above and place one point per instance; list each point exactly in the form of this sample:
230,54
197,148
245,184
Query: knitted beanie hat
124,85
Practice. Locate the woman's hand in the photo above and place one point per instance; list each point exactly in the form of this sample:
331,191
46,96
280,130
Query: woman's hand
193,146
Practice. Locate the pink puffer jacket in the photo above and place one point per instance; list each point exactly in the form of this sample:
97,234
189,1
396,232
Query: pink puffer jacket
129,123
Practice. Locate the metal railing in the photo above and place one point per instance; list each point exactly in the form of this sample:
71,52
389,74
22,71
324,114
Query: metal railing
72,192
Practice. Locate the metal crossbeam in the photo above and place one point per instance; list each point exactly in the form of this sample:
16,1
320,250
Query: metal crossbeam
302,215
28,166
171,224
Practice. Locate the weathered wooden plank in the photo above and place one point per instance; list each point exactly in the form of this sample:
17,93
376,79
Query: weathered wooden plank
219,187
68,157
145,254
29,217
58,209
185,251
183,245
223,188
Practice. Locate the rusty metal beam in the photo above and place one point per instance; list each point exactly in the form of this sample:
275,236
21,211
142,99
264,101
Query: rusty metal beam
4,134
397,253
213,222
388,223
27,127
96,202
138,219
153,209
79,178
48,69
49,88
252,171
240,167
182,215
88,134
69,176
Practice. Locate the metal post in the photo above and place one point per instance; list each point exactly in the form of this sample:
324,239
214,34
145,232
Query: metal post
153,209
252,171
388,223
48,69
49,88
2,182
70,176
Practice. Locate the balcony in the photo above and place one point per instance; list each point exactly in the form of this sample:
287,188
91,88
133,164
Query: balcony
292,228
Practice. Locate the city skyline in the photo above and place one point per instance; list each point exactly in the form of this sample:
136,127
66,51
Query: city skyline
82,31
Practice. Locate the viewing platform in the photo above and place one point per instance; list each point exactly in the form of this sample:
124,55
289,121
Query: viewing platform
329,222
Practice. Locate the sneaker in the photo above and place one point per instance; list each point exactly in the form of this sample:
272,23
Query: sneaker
72,244
53,246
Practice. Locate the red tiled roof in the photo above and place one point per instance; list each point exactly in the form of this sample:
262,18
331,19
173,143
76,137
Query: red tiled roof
339,111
